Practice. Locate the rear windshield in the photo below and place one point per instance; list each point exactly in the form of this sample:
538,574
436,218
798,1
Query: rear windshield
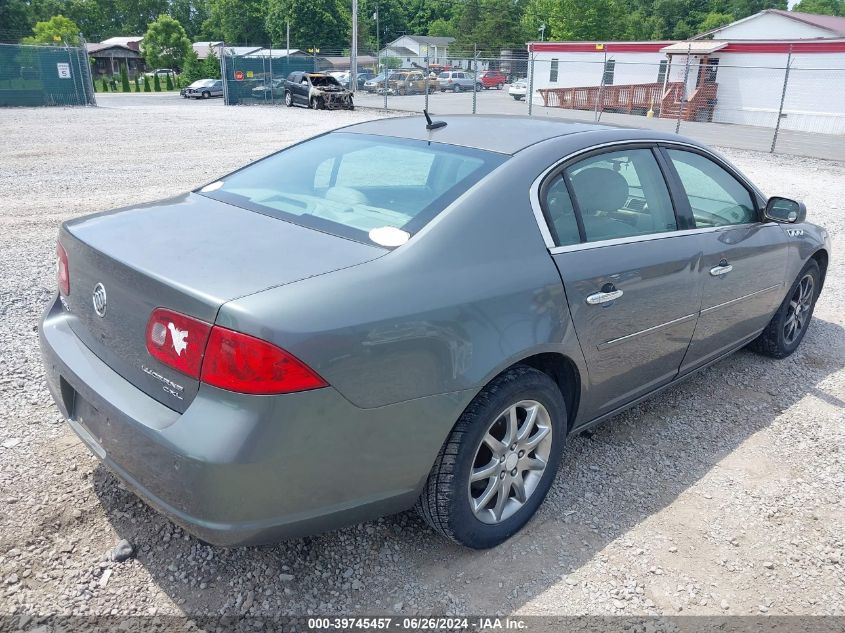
352,184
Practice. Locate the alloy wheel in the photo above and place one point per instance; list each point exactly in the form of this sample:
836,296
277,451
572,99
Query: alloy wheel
797,314
510,461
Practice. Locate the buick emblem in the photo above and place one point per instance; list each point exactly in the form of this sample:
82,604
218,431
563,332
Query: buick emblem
100,300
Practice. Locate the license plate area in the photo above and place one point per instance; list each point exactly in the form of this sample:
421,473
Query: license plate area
87,420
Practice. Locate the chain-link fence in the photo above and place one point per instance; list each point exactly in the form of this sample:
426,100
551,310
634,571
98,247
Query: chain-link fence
44,75
796,106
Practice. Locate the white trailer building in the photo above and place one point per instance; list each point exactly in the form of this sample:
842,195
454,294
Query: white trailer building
734,74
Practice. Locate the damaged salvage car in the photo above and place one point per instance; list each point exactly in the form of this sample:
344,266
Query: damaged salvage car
406,312
317,91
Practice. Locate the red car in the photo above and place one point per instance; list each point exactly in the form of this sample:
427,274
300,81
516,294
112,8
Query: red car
492,79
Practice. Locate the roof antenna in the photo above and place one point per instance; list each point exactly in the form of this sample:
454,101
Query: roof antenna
432,125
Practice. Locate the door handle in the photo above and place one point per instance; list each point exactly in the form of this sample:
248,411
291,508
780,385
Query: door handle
608,293
722,269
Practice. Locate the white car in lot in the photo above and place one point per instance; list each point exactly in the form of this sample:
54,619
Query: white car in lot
518,89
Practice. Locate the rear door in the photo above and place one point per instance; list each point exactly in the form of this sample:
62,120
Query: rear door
743,262
629,269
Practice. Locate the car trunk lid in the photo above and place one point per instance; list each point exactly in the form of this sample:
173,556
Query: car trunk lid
190,254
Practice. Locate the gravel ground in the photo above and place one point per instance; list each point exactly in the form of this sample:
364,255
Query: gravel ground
725,495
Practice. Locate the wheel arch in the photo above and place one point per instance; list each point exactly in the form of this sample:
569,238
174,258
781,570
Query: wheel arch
562,369
822,258
564,372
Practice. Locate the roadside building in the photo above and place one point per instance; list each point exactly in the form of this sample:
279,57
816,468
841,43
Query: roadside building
733,74
412,49
109,55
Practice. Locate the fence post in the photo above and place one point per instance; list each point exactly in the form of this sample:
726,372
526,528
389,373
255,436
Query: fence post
474,77
223,73
530,96
427,71
683,91
782,99
90,99
272,99
600,95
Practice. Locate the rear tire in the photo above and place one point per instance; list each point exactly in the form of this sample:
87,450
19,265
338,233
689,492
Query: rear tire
788,326
466,511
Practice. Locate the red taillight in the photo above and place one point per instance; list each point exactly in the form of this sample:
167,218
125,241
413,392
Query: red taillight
62,271
177,340
243,363
224,358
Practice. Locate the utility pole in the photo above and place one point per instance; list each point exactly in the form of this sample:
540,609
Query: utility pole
378,44
353,53
288,37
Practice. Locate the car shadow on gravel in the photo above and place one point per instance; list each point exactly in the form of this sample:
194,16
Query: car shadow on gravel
612,479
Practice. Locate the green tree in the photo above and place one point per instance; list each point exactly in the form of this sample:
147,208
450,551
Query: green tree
441,27
237,21
124,79
714,20
56,30
191,14
823,7
15,16
146,84
105,85
192,69
391,62
168,83
165,43
156,83
137,84
132,17
323,23
210,67
466,28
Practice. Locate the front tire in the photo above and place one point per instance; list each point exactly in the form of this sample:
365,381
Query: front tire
288,99
499,461
788,326
456,88
206,94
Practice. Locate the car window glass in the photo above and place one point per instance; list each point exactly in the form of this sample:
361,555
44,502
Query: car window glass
715,196
383,165
351,184
621,194
561,213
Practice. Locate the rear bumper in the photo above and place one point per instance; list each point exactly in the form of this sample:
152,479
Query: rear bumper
237,469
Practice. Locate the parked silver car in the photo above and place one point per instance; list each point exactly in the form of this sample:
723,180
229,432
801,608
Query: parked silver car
304,343
203,89
457,80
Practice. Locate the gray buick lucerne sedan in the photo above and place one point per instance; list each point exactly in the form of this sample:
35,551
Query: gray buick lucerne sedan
399,313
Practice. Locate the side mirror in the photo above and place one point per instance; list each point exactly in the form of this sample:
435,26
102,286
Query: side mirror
785,210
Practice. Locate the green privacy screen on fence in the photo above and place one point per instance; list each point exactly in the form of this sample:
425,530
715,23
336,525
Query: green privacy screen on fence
252,79
44,75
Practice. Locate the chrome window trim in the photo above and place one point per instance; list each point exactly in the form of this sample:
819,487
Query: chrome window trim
742,298
654,328
537,208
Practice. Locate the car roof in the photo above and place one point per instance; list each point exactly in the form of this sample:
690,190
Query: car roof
506,134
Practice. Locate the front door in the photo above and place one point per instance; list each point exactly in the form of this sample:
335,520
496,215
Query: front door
629,273
743,261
